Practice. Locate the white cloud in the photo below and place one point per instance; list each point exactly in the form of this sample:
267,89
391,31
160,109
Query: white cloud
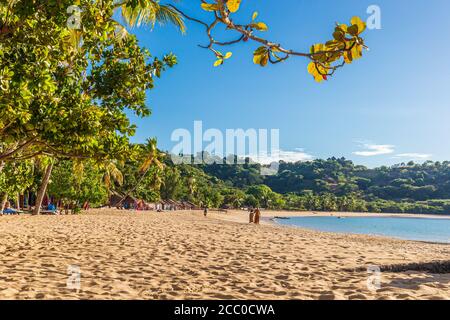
414,156
375,150
282,155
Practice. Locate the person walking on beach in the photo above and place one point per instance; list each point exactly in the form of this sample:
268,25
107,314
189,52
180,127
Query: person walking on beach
251,215
205,211
257,216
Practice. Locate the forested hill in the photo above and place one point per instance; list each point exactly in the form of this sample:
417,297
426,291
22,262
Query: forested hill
406,181
319,185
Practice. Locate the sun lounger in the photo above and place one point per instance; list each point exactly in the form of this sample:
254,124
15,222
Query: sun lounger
50,212
11,212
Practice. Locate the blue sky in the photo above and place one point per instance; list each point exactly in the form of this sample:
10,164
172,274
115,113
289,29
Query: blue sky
389,107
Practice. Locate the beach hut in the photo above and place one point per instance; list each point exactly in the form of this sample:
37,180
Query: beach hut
170,205
128,203
189,206
152,205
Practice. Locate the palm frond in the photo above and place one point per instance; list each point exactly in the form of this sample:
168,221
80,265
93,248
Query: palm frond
167,14
120,32
78,171
146,164
151,12
115,173
107,180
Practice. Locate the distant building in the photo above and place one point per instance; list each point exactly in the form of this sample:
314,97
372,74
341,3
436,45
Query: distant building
117,200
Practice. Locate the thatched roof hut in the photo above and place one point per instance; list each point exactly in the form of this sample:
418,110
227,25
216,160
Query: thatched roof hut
115,200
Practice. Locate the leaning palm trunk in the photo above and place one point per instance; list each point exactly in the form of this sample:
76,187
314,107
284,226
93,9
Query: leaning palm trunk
43,189
130,192
151,159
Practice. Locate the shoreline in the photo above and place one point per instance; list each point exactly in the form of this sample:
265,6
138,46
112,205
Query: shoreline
269,218
241,216
273,221
289,214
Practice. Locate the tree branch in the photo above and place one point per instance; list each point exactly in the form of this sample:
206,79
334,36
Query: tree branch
247,32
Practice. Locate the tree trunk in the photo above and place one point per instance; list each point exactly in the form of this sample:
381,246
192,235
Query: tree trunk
43,189
18,202
28,200
4,199
2,165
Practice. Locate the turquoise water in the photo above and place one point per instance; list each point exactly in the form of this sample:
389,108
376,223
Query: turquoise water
422,229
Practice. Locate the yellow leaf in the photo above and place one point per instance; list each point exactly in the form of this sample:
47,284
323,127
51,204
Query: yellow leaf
348,58
342,27
264,60
261,56
210,7
218,63
358,22
228,55
255,15
312,68
257,59
233,5
319,47
261,26
356,52
261,59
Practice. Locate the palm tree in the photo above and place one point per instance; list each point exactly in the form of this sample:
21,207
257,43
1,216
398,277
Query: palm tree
136,13
153,160
153,156
111,174
192,186
148,12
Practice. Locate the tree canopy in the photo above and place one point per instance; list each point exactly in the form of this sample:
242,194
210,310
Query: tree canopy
71,72
65,91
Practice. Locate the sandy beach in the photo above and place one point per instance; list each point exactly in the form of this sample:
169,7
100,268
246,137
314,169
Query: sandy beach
183,255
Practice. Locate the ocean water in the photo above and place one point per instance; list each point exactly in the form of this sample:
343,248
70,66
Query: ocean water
421,229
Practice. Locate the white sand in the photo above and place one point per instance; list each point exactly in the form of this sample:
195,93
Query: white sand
182,255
